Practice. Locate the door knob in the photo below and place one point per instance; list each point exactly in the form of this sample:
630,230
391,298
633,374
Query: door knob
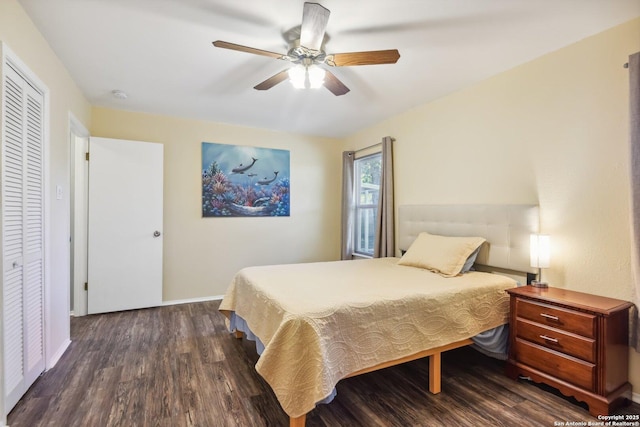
156,233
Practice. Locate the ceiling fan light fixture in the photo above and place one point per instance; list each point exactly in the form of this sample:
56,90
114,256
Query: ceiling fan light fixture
297,76
316,76
306,76
307,51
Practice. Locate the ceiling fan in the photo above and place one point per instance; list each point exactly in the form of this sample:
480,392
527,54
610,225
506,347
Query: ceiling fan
307,52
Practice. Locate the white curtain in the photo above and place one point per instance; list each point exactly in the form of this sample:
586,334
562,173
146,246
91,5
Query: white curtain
385,237
347,205
634,115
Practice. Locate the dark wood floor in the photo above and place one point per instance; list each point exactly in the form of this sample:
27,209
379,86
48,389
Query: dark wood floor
178,366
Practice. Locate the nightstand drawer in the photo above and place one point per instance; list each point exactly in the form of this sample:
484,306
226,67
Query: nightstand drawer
556,339
557,317
567,368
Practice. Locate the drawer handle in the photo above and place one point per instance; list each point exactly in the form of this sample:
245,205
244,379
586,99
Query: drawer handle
550,317
546,338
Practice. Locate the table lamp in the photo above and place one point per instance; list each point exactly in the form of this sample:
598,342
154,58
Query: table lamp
540,257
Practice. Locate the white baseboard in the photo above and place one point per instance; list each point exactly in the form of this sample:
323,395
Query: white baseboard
51,361
176,302
635,397
190,300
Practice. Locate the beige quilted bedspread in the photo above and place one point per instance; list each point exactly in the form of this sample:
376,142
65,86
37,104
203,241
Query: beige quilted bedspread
320,322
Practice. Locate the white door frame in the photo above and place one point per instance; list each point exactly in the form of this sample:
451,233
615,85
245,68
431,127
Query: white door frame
79,143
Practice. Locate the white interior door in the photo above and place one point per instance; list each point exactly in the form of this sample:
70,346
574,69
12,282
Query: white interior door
125,225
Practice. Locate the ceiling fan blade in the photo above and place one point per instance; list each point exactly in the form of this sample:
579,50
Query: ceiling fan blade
314,25
233,46
332,83
373,57
273,80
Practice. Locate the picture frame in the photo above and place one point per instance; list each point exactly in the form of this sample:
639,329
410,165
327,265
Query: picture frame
245,181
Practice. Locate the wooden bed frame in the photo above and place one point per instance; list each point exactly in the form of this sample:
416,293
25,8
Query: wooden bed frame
505,227
434,371
434,356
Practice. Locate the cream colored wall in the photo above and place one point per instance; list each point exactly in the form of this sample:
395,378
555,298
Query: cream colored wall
201,255
553,131
21,36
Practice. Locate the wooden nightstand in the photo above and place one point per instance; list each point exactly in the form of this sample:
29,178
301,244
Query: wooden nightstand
575,342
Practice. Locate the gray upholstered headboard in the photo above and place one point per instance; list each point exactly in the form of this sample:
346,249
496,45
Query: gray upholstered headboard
506,227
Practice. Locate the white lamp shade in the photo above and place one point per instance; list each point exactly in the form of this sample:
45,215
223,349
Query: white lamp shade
316,76
297,76
540,251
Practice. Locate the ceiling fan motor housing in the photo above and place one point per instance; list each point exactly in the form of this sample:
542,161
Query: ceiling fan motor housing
304,56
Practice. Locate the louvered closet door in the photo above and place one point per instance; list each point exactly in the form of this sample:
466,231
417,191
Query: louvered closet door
22,235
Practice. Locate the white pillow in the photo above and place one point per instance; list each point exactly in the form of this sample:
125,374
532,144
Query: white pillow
444,255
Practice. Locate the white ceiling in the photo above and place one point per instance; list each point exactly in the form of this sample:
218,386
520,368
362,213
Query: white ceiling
160,53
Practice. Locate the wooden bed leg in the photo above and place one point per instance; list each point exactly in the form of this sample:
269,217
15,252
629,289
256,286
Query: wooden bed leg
238,334
434,373
298,421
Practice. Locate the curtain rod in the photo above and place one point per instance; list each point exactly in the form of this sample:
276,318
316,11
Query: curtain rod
366,148
626,65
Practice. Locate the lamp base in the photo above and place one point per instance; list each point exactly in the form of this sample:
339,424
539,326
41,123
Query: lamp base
537,284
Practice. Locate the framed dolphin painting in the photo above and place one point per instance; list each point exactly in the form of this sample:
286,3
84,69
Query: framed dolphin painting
241,181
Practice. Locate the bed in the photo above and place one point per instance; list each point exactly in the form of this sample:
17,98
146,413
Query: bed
317,323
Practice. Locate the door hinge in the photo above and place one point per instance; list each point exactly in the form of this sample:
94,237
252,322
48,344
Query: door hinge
86,286
86,156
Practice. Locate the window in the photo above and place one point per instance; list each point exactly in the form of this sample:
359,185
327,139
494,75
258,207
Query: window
367,182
